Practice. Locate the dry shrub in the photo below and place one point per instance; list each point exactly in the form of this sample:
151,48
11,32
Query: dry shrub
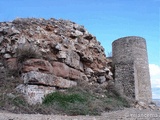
27,52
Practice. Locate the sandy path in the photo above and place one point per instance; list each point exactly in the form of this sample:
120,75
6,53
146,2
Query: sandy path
127,114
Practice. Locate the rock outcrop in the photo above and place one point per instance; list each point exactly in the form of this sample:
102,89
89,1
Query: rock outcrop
51,54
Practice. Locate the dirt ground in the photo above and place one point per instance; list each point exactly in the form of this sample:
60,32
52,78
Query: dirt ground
126,114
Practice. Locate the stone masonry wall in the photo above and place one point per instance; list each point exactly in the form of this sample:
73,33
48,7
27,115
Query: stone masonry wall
131,68
125,71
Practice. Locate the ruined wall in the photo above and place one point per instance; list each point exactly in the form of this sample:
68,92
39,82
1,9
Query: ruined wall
131,68
50,55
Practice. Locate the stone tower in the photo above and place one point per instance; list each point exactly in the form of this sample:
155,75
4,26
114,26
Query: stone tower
130,59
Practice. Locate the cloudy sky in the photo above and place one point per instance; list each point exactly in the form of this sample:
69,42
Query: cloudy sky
108,20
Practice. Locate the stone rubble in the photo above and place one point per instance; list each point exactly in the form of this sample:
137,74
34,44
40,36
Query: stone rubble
143,105
68,53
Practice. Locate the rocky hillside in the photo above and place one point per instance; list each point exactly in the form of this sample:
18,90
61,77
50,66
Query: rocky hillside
50,55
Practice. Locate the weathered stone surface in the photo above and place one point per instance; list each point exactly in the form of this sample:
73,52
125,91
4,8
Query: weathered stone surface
71,58
109,77
75,34
143,105
33,93
58,46
40,34
37,65
38,78
131,63
3,51
79,27
152,106
62,55
88,36
12,63
101,79
64,83
88,59
78,33
124,74
7,55
68,53
89,71
1,39
69,44
62,70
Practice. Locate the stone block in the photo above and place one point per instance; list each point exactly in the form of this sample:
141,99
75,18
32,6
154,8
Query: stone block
34,94
38,78
12,63
62,70
37,65
101,79
71,58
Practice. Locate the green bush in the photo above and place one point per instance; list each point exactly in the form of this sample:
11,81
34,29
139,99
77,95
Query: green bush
78,103
63,99
79,100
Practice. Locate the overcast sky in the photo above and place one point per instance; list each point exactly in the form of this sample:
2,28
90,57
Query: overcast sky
108,20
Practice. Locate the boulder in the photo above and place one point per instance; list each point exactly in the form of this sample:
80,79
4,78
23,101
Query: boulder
89,71
101,79
71,58
79,27
37,65
58,47
34,94
152,106
62,70
38,78
7,55
12,63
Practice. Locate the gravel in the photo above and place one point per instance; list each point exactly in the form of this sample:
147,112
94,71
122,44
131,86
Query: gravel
126,114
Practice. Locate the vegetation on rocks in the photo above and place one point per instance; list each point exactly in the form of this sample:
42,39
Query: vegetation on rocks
55,57
80,100
26,52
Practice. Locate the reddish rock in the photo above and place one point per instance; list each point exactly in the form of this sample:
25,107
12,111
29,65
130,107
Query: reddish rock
38,78
69,52
62,70
64,83
37,65
49,28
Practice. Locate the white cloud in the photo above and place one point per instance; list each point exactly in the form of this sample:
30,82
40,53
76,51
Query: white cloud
154,69
155,80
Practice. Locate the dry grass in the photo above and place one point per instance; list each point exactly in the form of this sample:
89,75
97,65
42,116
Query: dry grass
83,99
27,52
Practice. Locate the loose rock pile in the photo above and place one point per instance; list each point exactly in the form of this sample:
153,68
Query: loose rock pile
51,54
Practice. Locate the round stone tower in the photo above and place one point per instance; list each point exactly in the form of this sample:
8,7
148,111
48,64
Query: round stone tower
130,60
